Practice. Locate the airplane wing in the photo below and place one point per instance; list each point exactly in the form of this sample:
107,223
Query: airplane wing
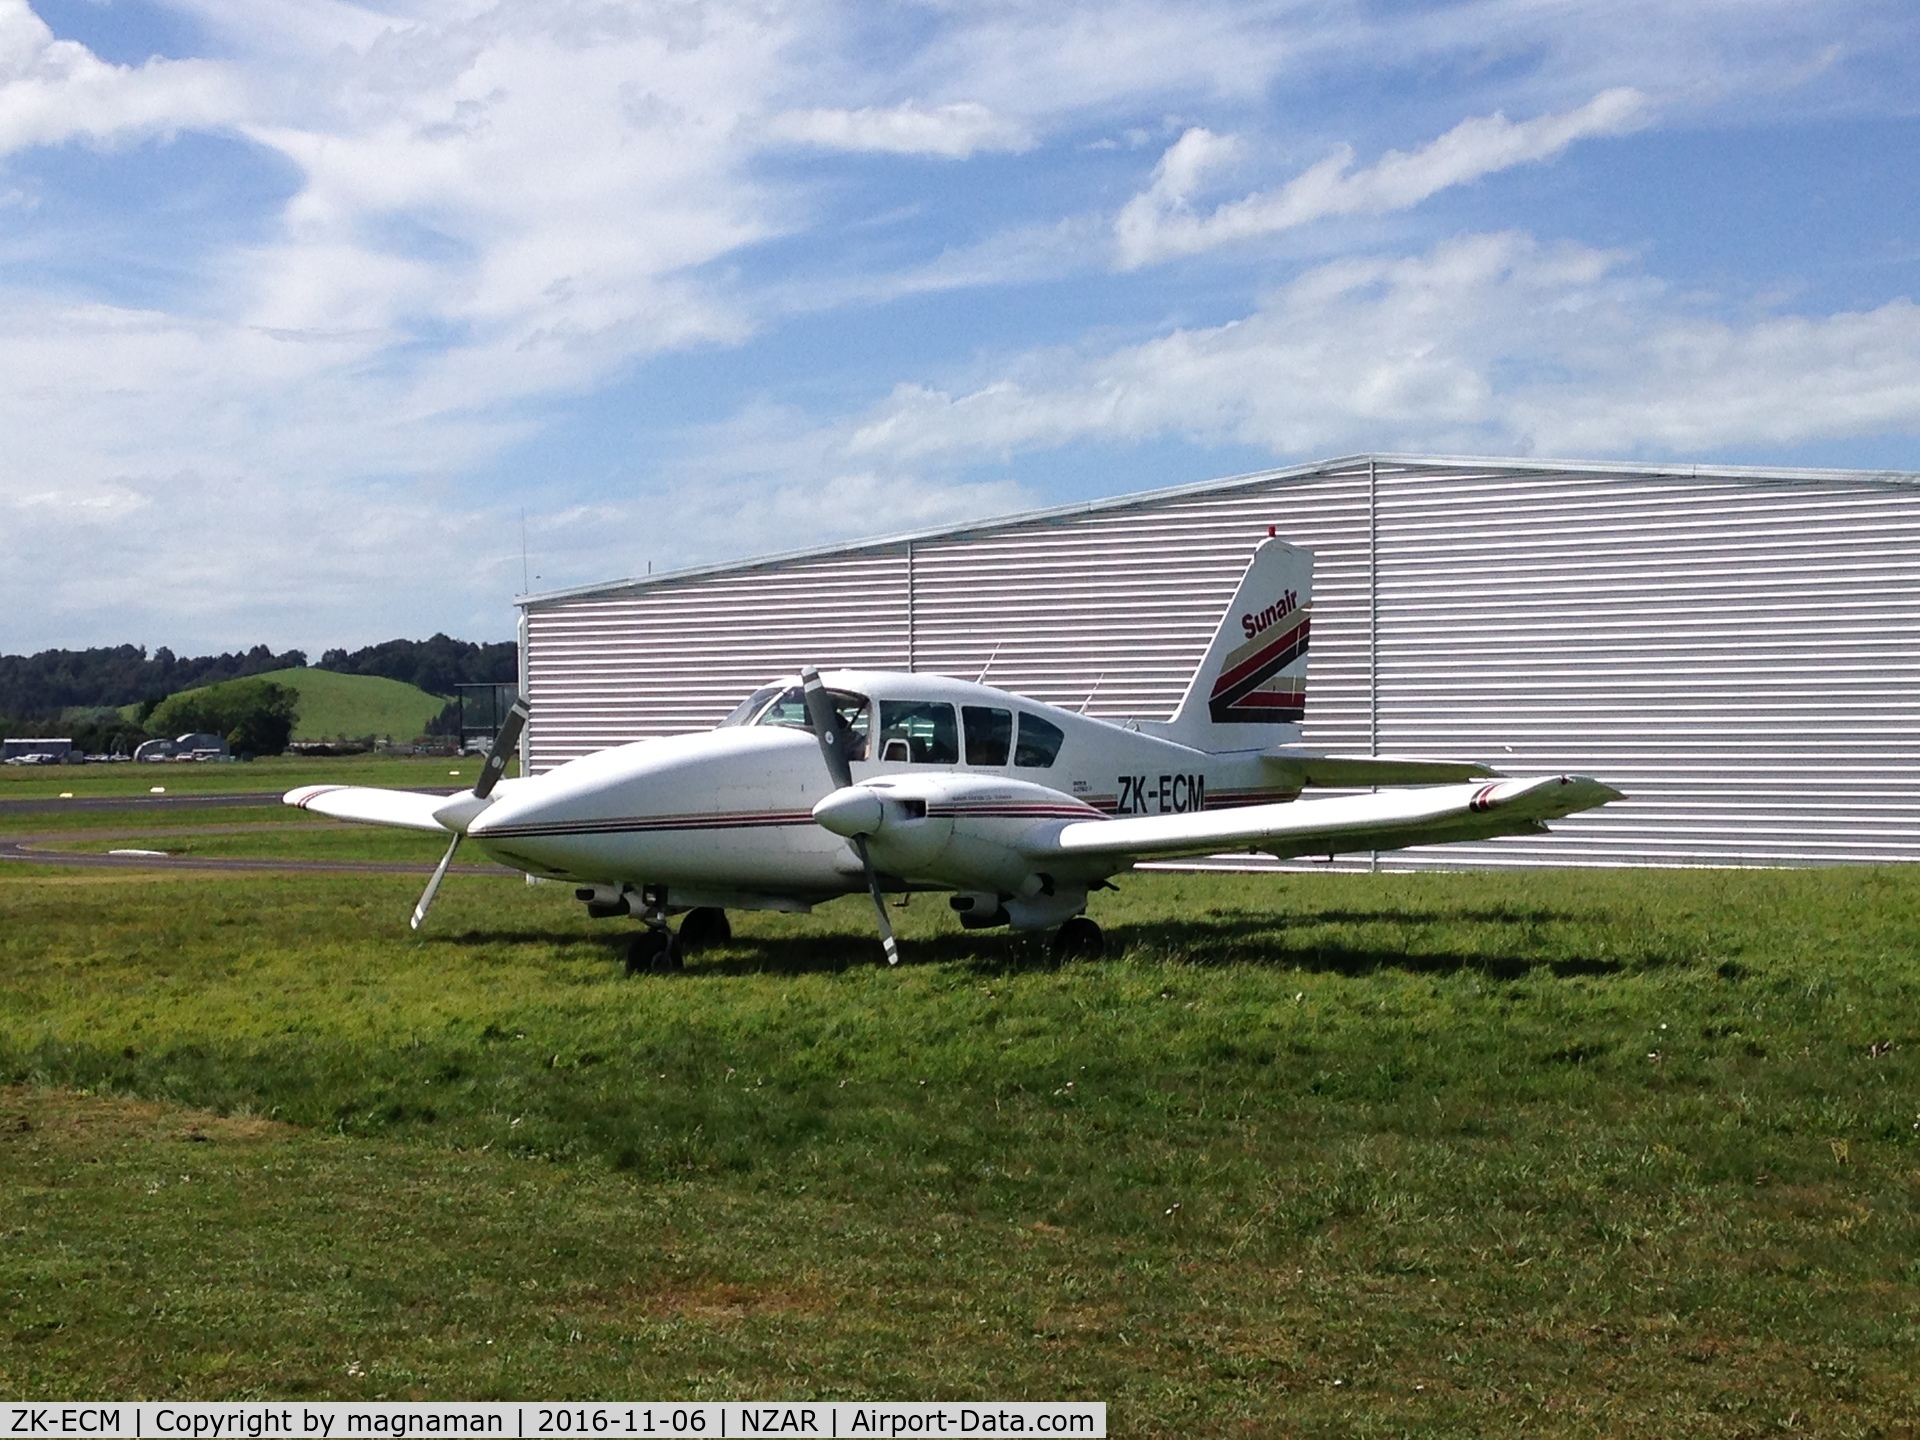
1340,772
409,809
1387,820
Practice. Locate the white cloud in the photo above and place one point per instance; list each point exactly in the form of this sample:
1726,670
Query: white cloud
767,480
951,131
1160,222
1488,343
55,90
540,191
502,205
494,207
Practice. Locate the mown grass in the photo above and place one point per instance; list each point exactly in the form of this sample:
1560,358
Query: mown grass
303,839
1573,1152
274,773
79,822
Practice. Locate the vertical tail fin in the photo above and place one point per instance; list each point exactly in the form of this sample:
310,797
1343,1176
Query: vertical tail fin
1251,689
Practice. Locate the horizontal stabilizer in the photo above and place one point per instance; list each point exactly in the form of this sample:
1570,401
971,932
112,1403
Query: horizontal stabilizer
1385,820
408,809
1352,772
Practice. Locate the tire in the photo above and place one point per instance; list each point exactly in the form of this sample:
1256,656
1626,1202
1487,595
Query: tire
704,929
1079,939
652,952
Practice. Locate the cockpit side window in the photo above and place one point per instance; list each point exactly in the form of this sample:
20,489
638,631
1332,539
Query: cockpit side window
744,712
925,726
989,734
853,712
1039,742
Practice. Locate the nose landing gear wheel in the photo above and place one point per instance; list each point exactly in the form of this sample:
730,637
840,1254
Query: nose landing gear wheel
704,929
1079,939
653,952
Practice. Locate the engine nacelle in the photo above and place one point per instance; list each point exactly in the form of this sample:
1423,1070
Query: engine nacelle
965,832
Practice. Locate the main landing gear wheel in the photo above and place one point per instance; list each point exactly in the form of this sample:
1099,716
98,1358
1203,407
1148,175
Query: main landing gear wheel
1079,939
704,929
653,952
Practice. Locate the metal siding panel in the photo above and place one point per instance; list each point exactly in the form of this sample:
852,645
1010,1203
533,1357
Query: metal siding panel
606,670
1736,655
1112,608
1735,651
1113,611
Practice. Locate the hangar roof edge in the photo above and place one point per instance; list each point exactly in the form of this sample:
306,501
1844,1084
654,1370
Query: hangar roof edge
1511,465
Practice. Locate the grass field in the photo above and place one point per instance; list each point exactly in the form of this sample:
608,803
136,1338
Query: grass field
277,773
334,705
354,705
1567,1153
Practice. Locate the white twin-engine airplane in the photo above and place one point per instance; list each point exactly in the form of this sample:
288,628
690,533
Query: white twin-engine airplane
821,785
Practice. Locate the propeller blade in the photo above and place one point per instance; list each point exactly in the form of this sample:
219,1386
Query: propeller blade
439,874
826,726
497,756
887,942
502,749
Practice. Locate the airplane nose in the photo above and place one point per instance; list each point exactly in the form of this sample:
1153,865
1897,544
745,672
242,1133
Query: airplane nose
462,810
853,810
500,813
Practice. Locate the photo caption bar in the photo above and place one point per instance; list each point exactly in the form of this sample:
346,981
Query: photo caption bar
400,1420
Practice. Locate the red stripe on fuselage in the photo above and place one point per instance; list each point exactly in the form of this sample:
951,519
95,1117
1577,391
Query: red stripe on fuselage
739,820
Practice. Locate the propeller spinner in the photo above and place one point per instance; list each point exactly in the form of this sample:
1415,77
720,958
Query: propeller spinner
826,727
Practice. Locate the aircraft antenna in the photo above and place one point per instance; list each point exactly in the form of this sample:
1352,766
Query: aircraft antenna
981,678
1093,692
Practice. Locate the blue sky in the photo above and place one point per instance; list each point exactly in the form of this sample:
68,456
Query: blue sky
303,307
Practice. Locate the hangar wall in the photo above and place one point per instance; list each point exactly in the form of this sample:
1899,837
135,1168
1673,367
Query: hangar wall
1738,650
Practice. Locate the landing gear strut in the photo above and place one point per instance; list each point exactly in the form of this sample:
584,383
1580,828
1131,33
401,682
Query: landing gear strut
654,949
1079,939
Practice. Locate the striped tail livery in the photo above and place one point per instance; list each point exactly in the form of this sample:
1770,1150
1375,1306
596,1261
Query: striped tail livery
1251,689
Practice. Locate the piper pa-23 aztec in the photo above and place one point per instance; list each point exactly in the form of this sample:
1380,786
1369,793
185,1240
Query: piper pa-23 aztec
825,784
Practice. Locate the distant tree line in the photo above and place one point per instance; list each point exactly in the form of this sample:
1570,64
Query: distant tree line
46,685
89,687
435,665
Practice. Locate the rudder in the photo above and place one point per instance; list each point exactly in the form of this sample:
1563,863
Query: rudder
1250,691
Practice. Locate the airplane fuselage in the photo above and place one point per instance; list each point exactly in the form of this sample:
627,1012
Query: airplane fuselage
726,816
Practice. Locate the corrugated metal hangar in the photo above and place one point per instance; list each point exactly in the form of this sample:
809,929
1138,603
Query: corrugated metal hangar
1737,649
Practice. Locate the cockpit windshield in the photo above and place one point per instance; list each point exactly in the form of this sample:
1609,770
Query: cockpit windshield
852,711
743,713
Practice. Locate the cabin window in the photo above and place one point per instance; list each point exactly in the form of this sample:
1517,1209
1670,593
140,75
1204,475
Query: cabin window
925,725
850,709
1039,742
744,712
989,734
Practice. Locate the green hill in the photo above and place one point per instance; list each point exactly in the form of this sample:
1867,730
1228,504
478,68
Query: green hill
353,705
